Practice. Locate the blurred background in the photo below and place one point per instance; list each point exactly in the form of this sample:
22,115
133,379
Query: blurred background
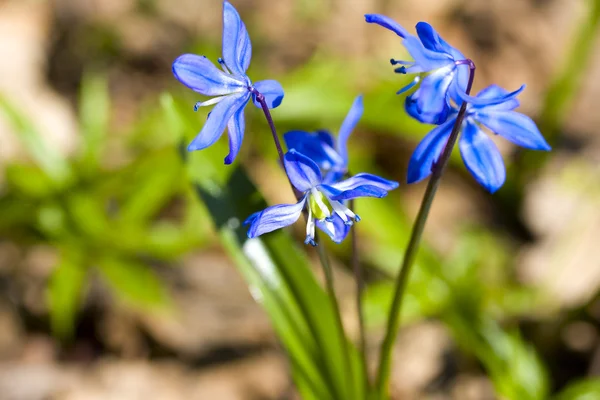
116,284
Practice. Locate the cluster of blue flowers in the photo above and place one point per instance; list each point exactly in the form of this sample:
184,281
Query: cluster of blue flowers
317,164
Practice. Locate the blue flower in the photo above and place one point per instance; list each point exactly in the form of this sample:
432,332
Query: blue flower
231,87
331,155
437,63
492,108
324,202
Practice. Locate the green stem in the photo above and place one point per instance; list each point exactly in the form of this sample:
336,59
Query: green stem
328,272
383,372
360,285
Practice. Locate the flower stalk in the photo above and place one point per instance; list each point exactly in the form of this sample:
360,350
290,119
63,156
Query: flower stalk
383,372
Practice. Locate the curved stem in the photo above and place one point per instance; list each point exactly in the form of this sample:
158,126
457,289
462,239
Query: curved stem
383,373
328,272
263,103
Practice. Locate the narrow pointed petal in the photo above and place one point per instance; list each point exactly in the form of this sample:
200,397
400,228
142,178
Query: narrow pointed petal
426,59
201,75
433,41
235,130
478,101
514,126
335,229
428,152
412,109
272,91
495,92
353,193
387,23
314,146
303,173
482,158
274,217
350,122
217,121
432,101
237,48
363,179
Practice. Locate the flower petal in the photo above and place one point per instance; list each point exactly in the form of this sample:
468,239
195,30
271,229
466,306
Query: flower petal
217,120
482,158
274,217
272,91
335,228
425,59
364,179
237,48
235,130
387,23
359,191
494,92
433,41
432,100
412,109
429,151
514,126
314,146
350,122
478,101
303,173
201,75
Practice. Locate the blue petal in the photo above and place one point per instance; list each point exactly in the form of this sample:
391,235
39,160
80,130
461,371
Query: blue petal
432,100
335,229
217,120
274,217
425,59
363,179
494,92
433,41
237,49
303,173
479,102
201,75
235,129
314,146
359,191
350,122
482,158
513,126
412,109
387,23
429,151
326,138
272,91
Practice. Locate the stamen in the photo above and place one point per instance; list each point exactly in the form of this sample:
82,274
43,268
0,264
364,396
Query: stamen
212,101
400,70
310,229
401,62
322,207
345,213
223,65
410,85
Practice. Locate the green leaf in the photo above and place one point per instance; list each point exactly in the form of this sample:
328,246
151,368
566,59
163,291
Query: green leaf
94,115
588,389
281,279
64,293
48,158
30,180
134,283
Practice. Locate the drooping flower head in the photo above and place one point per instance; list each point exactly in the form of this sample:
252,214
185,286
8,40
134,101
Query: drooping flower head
491,108
231,88
324,202
331,155
442,69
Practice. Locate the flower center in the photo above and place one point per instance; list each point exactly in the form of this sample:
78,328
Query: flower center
319,205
